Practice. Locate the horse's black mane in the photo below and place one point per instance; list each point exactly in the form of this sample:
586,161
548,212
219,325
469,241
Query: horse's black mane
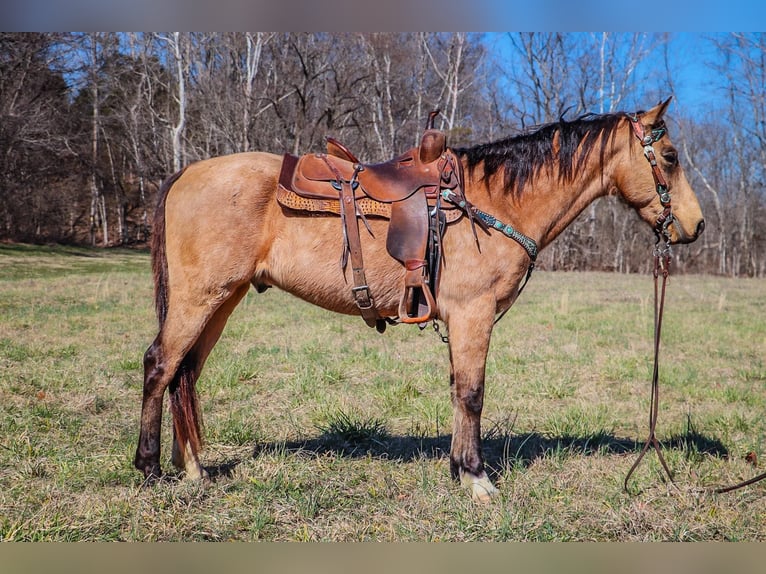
522,156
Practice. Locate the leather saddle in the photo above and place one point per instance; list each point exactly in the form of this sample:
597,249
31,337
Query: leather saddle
405,190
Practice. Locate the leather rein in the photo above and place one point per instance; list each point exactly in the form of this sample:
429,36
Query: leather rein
662,255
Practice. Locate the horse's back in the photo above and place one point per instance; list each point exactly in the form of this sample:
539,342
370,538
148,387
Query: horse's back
227,184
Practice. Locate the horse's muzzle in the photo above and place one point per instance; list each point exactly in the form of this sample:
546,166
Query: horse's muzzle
683,237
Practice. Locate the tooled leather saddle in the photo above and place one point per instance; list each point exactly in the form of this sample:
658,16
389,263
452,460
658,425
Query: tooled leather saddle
407,190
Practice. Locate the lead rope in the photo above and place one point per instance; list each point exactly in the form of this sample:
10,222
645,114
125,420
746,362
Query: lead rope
661,265
739,485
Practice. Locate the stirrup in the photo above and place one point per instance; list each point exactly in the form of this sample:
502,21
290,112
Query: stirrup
414,283
410,295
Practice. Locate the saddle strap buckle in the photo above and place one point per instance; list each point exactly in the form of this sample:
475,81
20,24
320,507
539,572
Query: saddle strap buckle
362,297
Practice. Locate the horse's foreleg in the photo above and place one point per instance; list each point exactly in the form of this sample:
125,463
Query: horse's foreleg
469,337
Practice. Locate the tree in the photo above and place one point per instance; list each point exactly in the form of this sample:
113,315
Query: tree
35,161
731,177
91,123
554,76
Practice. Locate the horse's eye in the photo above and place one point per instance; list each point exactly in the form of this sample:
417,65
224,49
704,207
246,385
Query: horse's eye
670,156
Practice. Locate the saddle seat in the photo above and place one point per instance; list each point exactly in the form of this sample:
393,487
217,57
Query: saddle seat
400,190
387,182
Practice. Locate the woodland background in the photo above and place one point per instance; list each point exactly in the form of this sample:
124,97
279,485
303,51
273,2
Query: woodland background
91,123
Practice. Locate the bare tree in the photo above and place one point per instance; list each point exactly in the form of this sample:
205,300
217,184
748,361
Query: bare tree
745,70
255,43
450,69
178,46
732,176
97,202
91,123
34,157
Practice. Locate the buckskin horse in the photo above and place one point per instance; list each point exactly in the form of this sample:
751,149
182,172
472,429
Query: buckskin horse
219,229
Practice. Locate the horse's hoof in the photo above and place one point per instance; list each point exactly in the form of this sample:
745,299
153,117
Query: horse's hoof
483,493
482,489
196,472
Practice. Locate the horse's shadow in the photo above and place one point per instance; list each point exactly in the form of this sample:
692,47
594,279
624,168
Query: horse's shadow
501,449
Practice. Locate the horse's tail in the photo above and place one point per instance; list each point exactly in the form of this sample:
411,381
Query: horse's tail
184,405
159,256
183,396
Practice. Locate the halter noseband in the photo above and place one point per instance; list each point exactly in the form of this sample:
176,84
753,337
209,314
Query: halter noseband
647,139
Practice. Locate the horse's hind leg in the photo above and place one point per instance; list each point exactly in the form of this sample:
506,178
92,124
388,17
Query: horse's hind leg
162,366
469,337
185,454
147,458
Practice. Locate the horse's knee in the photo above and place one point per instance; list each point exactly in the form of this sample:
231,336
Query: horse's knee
468,397
152,356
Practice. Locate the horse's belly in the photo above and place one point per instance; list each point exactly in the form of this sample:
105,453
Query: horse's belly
305,260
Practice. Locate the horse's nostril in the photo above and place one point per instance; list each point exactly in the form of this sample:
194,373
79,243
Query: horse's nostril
700,228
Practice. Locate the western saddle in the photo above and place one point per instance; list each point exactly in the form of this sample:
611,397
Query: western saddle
419,192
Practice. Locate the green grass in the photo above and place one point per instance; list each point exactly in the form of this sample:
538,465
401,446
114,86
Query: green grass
318,428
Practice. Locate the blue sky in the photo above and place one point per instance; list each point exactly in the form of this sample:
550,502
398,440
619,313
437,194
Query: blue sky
690,55
697,85
619,15
701,88
388,15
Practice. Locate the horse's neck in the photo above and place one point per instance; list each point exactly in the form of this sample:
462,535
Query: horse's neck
560,205
545,207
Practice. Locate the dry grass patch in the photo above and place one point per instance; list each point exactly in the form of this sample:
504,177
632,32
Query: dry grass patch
318,428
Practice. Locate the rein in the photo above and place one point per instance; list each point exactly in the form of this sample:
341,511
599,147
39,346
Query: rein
661,266
662,254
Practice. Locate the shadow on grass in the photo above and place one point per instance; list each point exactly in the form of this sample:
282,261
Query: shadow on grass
500,449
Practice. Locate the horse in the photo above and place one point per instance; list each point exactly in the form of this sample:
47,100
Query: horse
218,231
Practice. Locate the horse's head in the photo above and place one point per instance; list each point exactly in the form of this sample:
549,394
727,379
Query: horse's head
653,181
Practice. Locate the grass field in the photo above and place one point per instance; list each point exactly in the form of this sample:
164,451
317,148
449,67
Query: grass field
318,428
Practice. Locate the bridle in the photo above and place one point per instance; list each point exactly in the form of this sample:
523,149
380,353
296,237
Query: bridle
662,254
660,184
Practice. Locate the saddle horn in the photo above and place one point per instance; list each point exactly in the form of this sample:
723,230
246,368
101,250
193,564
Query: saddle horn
434,142
431,117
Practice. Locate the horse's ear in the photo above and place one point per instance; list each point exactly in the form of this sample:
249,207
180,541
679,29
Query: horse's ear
653,116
